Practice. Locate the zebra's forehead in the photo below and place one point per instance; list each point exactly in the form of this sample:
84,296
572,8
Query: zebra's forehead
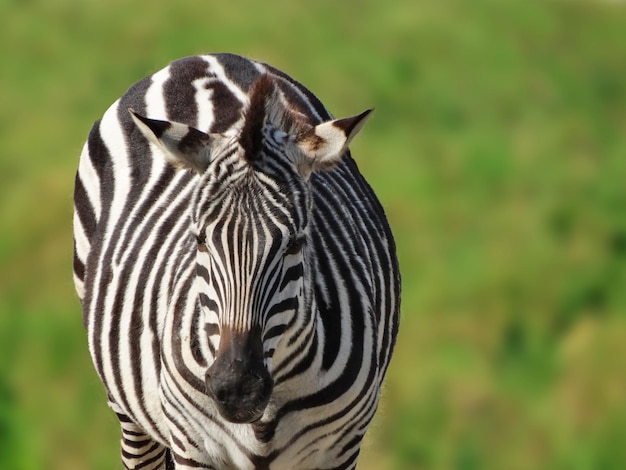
251,198
267,188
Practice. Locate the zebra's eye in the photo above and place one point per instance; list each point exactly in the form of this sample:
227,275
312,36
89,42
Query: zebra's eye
295,245
201,240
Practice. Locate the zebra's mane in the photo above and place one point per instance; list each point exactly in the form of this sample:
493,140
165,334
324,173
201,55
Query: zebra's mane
251,137
268,105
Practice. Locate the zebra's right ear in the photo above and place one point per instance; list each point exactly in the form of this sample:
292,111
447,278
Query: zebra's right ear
183,146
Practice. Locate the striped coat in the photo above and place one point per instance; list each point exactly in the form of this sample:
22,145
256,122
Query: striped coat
268,247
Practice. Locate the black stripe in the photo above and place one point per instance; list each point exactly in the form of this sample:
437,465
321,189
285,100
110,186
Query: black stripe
179,91
161,457
227,108
79,266
139,156
238,69
84,209
208,303
292,274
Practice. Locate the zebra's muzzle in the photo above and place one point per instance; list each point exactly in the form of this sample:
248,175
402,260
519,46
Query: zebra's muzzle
237,380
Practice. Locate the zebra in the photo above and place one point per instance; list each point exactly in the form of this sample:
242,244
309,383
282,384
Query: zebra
238,277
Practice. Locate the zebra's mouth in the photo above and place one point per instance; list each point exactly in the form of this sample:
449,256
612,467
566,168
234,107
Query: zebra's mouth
241,416
242,399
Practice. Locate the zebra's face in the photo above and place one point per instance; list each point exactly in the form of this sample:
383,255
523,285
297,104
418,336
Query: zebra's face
250,217
250,266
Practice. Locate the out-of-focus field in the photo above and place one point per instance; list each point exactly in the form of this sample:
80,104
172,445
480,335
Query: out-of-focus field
498,149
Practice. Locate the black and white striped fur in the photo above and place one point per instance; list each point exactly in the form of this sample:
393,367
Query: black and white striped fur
268,245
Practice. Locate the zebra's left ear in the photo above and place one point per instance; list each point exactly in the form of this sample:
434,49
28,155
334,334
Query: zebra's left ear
325,144
183,146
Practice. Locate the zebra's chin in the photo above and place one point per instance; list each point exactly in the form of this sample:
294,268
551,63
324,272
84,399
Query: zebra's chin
241,416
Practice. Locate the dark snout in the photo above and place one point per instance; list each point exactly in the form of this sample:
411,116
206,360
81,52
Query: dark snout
238,381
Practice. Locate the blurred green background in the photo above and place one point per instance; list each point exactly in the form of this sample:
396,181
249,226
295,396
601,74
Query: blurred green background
497,148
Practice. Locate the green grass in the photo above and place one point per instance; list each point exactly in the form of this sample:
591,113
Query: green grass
497,148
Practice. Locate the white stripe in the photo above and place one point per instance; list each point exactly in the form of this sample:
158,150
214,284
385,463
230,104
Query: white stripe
221,76
113,139
90,180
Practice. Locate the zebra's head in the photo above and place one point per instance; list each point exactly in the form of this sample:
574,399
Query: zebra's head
250,218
